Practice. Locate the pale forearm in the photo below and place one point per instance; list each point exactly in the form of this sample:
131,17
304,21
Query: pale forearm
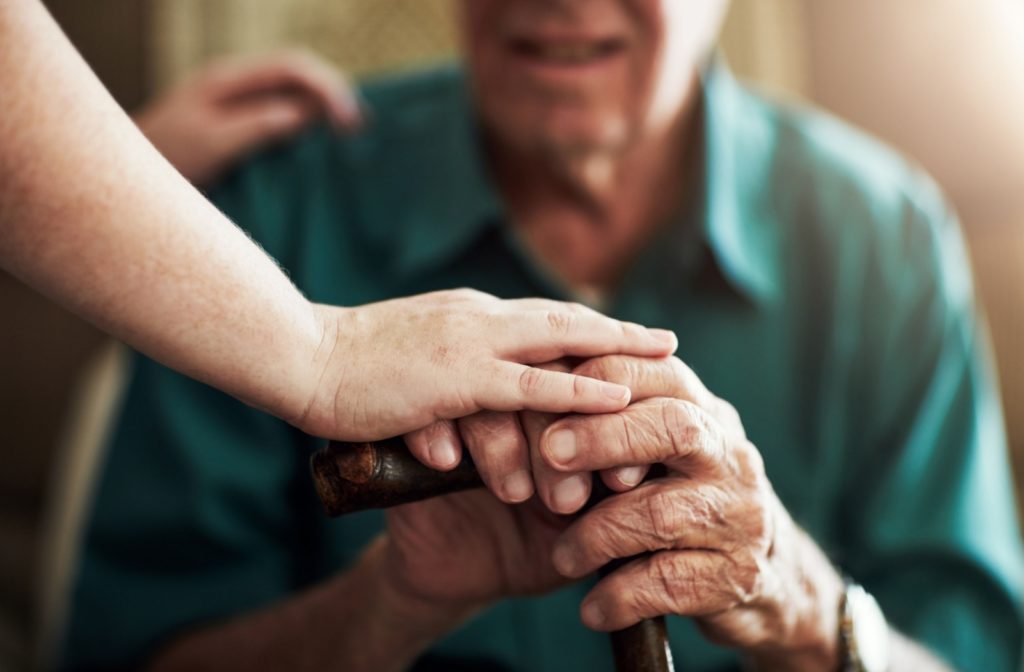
357,622
94,217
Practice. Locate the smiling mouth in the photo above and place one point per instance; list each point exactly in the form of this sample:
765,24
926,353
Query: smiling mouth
564,53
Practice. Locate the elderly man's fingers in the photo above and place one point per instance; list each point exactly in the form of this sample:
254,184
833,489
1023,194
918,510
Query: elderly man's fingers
500,452
437,445
262,121
687,583
650,377
560,492
296,70
647,377
517,387
648,432
572,330
665,514
622,479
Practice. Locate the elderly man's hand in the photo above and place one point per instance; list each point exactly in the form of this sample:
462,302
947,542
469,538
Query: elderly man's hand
393,367
714,541
469,549
234,106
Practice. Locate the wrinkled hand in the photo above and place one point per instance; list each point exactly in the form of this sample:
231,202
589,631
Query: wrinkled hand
509,461
456,554
392,367
233,107
463,551
715,542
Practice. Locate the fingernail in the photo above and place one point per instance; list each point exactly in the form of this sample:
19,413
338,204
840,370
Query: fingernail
630,475
569,494
664,335
616,392
562,445
518,486
564,560
442,452
593,614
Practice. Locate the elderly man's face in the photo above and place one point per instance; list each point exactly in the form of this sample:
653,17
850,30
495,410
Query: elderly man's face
584,76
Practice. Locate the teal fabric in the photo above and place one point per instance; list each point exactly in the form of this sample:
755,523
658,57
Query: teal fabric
819,284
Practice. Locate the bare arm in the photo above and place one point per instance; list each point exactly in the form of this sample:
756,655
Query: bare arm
94,217
357,622
360,621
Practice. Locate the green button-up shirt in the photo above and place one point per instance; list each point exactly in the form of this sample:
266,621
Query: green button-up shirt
818,284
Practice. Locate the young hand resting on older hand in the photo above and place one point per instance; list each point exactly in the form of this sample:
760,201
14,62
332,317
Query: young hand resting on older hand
93,216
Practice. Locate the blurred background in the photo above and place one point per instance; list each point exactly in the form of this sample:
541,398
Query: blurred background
942,80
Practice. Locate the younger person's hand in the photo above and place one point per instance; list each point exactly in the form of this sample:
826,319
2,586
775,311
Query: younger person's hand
393,367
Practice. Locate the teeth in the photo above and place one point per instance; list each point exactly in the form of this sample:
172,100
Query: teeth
569,53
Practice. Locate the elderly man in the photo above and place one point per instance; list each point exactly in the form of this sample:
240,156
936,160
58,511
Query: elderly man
592,151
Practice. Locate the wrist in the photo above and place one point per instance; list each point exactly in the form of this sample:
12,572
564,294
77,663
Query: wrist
810,639
399,621
317,379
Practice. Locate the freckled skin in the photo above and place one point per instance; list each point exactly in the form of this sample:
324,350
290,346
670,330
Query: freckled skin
130,245
585,167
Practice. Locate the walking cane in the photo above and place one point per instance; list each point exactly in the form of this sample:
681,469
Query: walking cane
351,477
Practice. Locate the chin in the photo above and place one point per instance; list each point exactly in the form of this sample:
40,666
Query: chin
573,134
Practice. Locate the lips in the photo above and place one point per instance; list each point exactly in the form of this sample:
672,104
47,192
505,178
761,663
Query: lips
568,52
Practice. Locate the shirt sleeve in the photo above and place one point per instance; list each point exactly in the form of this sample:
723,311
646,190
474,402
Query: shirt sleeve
929,510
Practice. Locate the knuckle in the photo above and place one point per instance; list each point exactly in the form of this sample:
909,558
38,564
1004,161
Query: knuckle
665,517
707,515
726,414
531,381
629,439
685,431
465,294
750,525
625,332
674,579
694,432
603,534
751,463
487,426
560,323
690,386
762,531
684,375
744,579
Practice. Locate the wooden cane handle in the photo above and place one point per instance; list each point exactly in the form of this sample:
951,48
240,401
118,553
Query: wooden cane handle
351,477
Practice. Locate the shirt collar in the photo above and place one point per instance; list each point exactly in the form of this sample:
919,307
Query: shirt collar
735,215
458,203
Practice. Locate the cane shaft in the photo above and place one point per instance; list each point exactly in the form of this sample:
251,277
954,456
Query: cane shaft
351,477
